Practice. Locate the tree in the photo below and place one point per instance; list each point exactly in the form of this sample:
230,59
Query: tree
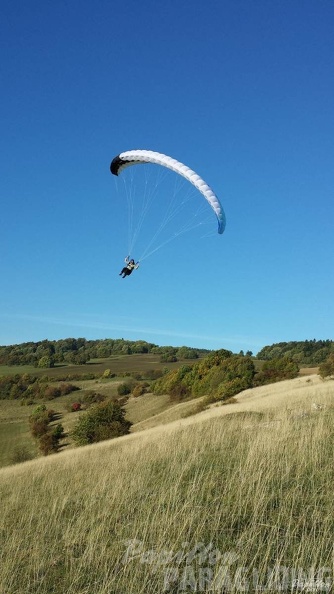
326,368
102,421
187,353
276,370
47,361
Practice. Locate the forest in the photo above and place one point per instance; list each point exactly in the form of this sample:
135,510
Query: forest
305,352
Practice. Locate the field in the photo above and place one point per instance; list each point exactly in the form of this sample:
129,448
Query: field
237,498
148,411
116,364
14,428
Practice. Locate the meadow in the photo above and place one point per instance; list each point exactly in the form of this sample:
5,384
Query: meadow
116,363
14,426
237,498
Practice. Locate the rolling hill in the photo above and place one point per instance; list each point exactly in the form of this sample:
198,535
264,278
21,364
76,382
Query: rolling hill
237,492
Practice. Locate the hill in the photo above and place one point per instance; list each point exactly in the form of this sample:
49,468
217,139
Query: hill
78,351
14,428
242,491
216,376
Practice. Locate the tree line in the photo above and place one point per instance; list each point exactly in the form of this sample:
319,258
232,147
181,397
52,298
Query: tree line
78,351
306,352
221,375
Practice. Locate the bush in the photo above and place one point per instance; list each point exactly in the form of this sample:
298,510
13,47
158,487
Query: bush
39,410
102,421
168,358
27,402
123,389
75,406
21,454
107,374
179,392
139,390
66,388
51,392
91,397
58,431
39,421
48,444
136,375
276,370
39,426
153,374
228,389
326,369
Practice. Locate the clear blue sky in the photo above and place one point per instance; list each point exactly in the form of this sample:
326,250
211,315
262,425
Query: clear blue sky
241,91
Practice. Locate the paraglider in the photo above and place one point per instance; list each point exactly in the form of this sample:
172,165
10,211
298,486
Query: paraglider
128,158
129,268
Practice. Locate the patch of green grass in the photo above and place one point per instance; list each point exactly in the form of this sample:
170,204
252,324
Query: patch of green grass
118,364
14,436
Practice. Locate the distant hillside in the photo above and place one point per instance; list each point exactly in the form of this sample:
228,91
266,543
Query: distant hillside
307,352
78,351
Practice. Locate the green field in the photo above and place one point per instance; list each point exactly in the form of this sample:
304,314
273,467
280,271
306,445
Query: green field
117,364
14,426
14,436
145,412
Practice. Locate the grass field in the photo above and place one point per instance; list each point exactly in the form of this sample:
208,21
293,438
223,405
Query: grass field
234,499
14,436
117,364
14,428
148,411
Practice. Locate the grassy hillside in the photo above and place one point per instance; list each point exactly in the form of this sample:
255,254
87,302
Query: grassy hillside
14,428
195,505
147,411
116,363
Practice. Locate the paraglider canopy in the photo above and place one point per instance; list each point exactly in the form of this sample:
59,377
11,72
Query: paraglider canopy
134,157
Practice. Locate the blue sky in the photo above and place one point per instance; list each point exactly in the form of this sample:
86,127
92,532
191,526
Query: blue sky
241,91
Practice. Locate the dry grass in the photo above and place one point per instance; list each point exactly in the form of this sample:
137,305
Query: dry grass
255,486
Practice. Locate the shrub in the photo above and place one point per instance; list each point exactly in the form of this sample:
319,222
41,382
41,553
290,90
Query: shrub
168,358
21,454
153,374
326,369
123,389
58,431
48,443
39,426
66,388
102,421
46,362
39,420
51,392
276,370
39,410
139,390
75,406
107,374
230,388
91,397
27,402
179,392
